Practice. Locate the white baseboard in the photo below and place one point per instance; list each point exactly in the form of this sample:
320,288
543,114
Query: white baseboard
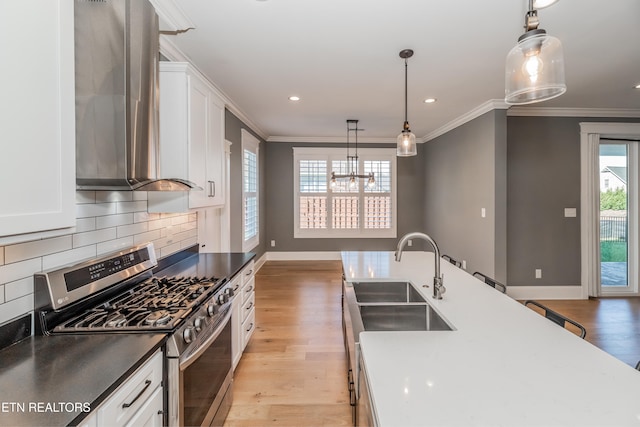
303,256
545,292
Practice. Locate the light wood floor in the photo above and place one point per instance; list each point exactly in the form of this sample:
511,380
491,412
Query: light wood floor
293,371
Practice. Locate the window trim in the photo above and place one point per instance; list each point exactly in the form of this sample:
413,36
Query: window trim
252,144
338,153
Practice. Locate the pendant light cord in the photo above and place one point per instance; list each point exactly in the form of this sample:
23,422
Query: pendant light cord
405,90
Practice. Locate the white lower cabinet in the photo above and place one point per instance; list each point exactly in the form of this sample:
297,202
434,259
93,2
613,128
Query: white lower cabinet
244,313
136,402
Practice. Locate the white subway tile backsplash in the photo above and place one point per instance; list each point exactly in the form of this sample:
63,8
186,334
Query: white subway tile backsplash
85,224
85,197
139,239
114,220
126,207
20,270
106,221
68,257
114,245
130,230
19,288
36,248
98,209
16,308
93,237
114,196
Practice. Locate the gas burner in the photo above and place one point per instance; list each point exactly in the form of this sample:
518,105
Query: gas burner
194,291
160,317
116,320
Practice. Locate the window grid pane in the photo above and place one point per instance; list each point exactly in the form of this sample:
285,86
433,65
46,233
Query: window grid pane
250,217
313,212
250,172
345,213
382,175
377,212
313,176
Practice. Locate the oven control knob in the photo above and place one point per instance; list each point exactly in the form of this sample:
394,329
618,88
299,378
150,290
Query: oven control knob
198,323
223,298
229,291
211,309
189,335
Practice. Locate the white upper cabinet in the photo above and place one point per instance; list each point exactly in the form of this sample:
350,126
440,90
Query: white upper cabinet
191,139
37,116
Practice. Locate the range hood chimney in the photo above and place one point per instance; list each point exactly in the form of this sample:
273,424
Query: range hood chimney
116,66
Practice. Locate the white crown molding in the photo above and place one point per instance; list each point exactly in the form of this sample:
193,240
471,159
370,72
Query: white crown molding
171,52
492,104
572,112
331,139
172,17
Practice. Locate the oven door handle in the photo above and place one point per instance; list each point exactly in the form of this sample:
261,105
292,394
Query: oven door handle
184,364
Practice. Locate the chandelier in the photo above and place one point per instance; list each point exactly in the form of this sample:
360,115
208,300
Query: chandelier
352,163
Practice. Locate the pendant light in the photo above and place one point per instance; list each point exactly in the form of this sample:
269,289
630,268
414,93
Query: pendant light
406,144
352,164
534,69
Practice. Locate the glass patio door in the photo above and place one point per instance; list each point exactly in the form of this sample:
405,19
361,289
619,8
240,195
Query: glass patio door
618,217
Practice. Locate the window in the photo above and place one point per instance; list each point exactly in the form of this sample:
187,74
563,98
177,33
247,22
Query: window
342,212
250,206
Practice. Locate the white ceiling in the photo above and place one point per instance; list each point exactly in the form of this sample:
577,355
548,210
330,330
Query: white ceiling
342,58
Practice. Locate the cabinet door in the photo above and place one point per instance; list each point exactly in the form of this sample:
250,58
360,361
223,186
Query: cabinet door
199,138
37,116
215,154
150,414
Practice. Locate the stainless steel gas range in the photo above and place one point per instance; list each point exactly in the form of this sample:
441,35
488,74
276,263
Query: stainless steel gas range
118,293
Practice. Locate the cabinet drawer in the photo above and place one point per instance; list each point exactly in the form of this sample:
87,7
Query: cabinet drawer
248,326
248,290
248,306
248,272
130,396
150,415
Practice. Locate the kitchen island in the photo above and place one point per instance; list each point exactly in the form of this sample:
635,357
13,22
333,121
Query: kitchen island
502,365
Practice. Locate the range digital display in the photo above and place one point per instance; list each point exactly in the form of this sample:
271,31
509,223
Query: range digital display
82,277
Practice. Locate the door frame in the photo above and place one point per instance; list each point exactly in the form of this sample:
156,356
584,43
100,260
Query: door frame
590,133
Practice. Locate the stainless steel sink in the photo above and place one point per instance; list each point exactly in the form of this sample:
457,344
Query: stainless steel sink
396,292
401,317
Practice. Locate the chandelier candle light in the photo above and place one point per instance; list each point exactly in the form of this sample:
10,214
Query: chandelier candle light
534,69
352,163
406,144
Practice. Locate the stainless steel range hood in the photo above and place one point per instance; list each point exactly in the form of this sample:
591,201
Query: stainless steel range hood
116,60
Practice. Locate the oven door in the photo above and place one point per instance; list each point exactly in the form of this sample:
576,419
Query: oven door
206,379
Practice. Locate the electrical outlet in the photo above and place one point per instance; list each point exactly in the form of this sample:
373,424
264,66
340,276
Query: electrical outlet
483,213
538,273
464,264
273,243
410,242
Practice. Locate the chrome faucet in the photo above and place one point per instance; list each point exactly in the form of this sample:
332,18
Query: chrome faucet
438,286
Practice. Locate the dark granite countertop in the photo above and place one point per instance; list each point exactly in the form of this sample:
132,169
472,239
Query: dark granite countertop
213,264
41,375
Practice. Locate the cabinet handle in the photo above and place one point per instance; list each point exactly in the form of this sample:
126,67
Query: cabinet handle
249,306
249,273
249,289
212,188
147,383
250,327
236,288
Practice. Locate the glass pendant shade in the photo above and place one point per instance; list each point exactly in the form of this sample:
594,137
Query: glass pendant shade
534,69
406,144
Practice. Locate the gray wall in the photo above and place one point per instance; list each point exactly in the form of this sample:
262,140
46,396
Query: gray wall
465,171
279,191
233,133
543,179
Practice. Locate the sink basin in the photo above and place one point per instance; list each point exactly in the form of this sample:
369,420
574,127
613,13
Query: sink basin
383,292
401,317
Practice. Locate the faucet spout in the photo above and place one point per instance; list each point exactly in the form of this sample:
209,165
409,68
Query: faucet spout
438,286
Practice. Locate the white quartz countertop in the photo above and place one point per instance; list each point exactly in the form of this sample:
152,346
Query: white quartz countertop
503,365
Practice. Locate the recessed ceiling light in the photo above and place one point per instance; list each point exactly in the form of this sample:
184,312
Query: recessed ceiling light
430,100
637,86
294,98
540,4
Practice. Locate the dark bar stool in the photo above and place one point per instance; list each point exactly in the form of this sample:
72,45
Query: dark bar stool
491,282
557,318
452,261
